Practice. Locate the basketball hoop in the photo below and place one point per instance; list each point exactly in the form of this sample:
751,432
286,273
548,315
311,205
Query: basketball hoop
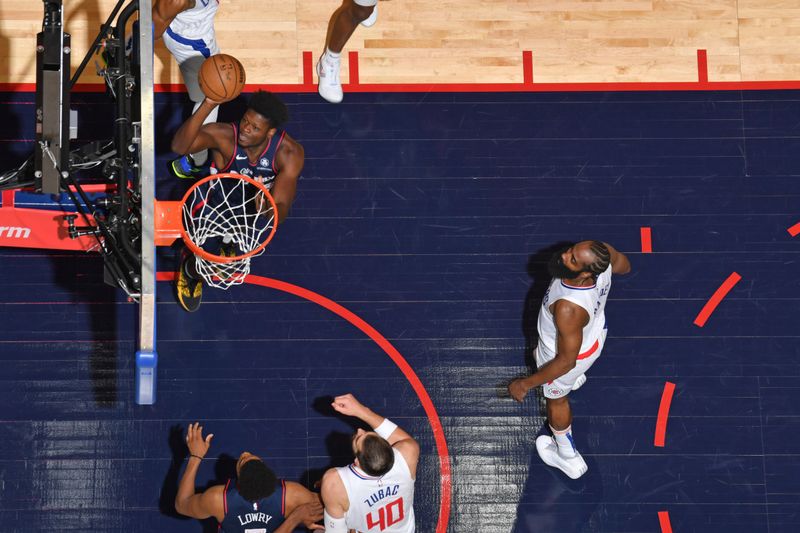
225,220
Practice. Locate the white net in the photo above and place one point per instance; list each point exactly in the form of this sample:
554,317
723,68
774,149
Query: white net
229,219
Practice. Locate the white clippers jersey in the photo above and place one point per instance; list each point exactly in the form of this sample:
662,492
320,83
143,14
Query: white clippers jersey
197,22
593,299
384,504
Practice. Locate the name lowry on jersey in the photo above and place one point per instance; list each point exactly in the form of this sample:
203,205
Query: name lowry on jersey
254,517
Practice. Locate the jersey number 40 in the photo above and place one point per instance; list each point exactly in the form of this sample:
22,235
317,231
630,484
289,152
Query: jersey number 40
389,514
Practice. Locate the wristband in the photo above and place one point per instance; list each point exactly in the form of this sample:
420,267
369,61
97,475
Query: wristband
386,428
334,525
193,455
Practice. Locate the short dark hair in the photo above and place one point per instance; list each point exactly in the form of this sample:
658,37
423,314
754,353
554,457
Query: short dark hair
270,107
602,258
256,480
376,456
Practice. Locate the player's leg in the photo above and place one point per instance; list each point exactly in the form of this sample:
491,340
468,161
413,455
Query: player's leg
346,19
190,55
190,70
559,416
342,25
372,19
189,283
559,450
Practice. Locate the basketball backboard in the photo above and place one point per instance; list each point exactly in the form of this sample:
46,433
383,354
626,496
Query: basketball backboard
146,356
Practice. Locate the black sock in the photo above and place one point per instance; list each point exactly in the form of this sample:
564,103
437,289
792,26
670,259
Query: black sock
190,269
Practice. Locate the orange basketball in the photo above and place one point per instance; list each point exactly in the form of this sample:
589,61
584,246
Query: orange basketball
221,77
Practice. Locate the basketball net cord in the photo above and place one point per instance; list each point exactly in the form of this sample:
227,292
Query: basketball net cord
227,218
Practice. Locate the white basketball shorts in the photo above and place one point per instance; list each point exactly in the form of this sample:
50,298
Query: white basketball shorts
561,386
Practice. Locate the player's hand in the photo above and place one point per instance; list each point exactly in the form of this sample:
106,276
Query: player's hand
215,102
518,389
195,442
309,514
263,205
347,405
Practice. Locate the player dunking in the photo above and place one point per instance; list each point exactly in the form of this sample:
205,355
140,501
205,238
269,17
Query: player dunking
256,147
572,331
187,28
376,491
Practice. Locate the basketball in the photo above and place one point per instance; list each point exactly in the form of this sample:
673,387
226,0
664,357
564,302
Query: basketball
221,77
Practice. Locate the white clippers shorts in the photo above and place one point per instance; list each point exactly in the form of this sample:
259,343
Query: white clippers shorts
366,3
561,386
190,51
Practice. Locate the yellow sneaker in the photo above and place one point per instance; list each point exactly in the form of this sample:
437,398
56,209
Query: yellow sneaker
190,290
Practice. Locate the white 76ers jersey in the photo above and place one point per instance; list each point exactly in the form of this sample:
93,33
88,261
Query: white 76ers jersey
593,299
380,504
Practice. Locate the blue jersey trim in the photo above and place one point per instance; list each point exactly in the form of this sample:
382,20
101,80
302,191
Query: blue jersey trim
196,44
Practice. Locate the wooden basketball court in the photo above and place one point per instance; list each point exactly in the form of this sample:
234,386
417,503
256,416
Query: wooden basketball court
471,41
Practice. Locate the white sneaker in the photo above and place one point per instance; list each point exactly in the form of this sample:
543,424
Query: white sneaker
370,20
330,88
573,467
579,382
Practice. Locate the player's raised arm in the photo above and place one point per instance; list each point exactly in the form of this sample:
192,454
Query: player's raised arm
619,261
347,404
378,482
193,136
204,504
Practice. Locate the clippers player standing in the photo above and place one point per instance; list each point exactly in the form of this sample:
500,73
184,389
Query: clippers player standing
572,331
376,492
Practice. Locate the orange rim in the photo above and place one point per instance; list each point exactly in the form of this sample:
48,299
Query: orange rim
220,258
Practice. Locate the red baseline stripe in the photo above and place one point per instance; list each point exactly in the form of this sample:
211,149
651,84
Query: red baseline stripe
8,198
702,66
353,67
716,298
308,70
794,230
663,414
647,240
527,67
399,360
468,87
663,520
